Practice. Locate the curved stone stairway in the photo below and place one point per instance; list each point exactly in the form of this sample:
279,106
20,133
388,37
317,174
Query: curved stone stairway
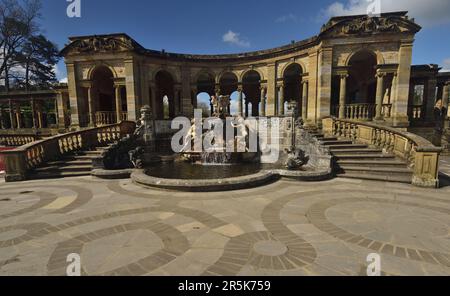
359,161
73,165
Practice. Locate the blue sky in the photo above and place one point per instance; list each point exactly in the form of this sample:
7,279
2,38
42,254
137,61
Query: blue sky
199,26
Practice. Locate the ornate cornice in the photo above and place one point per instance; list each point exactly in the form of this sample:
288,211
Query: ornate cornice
367,25
101,44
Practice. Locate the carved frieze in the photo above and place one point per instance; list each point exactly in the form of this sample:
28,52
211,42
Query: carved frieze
100,44
364,25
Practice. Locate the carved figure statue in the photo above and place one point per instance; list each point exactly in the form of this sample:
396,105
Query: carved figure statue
296,159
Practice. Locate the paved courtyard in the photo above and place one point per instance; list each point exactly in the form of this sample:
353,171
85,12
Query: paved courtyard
285,228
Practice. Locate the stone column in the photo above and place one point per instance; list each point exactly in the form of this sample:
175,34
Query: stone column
379,96
271,90
430,99
281,99
177,99
342,95
118,97
194,93
1,117
305,99
400,106
18,116
445,97
11,114
131,83
33,113
394,87
263,101
91,106
324,76
39,114
240,101
153,99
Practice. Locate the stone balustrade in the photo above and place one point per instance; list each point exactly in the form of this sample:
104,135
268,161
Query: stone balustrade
105,117
17,140
416,112
420,154
19,162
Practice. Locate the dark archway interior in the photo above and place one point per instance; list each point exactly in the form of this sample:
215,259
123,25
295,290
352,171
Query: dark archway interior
293,85
228,84
251,86
206,83
103,84
164,88
361,83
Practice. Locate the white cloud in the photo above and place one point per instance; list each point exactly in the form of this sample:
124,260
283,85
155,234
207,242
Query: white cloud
446,65
63,80
287,18
235,39
427,12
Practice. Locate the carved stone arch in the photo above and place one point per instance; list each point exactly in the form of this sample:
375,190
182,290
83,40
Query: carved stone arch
377,54
261,74
155,72
202,71
98,65
285,67
222,73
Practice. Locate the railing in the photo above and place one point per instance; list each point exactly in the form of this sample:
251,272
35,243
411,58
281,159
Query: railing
421,155
21,161
416,112
357,111
17,140
106,117
386,111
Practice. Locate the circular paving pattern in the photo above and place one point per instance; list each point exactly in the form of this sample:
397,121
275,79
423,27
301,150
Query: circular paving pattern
285,228
270,248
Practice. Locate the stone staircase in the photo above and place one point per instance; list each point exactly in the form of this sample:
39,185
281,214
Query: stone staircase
76,164
359,161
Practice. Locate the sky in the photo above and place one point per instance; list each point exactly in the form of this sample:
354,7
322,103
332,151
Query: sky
213,26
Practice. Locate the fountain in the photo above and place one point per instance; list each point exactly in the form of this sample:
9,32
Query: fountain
217,168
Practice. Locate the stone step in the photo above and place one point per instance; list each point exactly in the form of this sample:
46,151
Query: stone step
356,151
68,168
57,175
372,157
70,161
378,177
335,142
376,170
94,152
348,146
85,157
372,163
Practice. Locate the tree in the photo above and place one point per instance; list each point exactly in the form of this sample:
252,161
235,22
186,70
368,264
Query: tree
17,25
38,59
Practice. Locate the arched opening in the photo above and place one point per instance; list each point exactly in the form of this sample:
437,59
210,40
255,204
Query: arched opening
205,89
292,79
228,84
251,83
103,84
103,95
165,96
234,98
204,103
361,83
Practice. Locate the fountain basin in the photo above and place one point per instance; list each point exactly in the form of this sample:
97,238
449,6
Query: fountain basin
260,178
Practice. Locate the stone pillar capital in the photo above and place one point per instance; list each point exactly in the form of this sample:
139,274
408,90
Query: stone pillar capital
380,74
280,84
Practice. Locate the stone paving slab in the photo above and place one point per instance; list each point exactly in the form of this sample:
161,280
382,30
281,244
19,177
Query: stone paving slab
285,228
